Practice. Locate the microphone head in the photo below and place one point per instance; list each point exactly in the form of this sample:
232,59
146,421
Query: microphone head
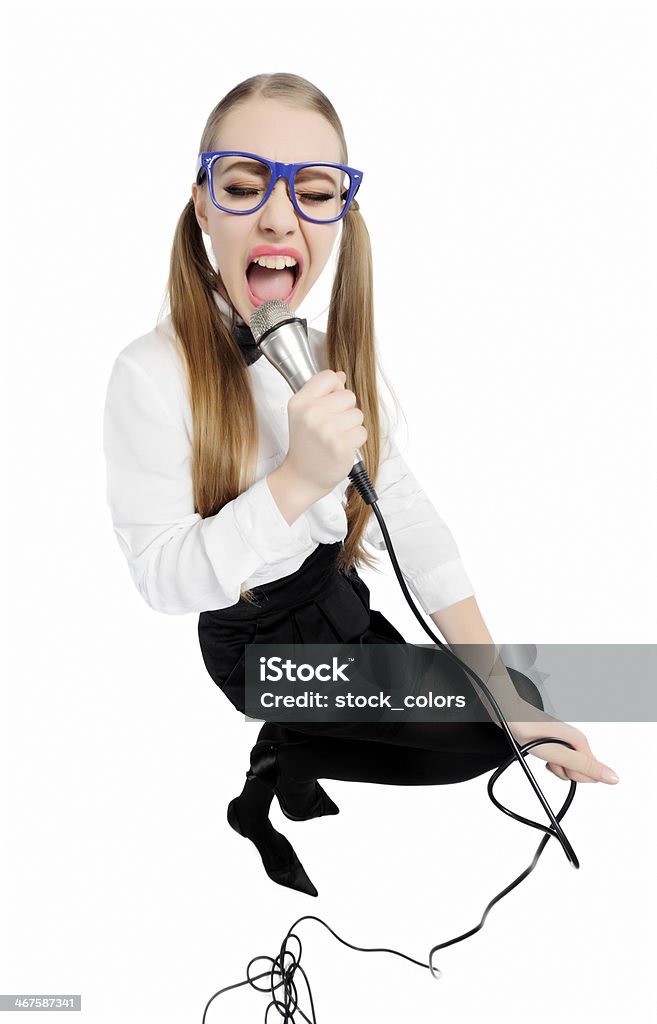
283,338
269,315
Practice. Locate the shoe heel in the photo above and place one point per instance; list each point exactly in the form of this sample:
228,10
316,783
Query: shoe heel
321,806
233,820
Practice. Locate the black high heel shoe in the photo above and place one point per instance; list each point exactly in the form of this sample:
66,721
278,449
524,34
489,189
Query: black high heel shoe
292,874
264,766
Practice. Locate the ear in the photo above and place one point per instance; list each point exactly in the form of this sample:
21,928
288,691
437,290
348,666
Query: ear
199,198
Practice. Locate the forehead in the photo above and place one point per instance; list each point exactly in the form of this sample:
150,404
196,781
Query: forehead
279,132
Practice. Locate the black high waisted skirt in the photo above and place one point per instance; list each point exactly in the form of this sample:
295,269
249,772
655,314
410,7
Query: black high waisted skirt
319,603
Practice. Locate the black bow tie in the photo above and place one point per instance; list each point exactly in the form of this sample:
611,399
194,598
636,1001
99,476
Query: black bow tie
244,338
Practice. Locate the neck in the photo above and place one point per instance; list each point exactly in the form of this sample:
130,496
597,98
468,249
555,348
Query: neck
241,331
229,311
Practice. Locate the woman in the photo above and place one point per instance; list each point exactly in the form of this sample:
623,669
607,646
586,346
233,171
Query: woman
229,493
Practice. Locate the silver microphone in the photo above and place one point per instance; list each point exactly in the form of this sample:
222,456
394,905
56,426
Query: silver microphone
282,338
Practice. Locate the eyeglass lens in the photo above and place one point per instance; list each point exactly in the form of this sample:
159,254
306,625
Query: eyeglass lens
240,183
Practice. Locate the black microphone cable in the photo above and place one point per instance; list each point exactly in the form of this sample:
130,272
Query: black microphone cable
282,973
365,488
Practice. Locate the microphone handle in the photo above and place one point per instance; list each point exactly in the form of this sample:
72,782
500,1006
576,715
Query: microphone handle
361,481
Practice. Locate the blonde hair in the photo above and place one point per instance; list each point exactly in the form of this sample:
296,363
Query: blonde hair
225,427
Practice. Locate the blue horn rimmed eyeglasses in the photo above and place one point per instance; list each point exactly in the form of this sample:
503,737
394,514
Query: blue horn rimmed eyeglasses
242,182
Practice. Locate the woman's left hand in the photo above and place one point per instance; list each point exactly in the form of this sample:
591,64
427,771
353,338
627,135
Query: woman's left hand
579,764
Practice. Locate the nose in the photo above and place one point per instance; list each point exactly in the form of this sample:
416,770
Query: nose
278,214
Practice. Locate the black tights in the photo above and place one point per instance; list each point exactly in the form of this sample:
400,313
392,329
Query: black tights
415,754
418,754
431,754
412,754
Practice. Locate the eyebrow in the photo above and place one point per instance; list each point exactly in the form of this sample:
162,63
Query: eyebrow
316,172
247,165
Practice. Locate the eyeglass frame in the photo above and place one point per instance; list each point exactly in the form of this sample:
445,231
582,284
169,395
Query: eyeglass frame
277,170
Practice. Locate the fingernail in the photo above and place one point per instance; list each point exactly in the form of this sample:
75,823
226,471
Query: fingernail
608,775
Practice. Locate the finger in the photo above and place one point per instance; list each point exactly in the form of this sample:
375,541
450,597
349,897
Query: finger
324,382
567,776
339,400
580,760
576,777
557,770
561,773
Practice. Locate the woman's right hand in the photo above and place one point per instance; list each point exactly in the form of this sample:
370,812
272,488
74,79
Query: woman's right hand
326,428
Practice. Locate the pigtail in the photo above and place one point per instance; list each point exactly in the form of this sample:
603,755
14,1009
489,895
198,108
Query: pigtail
351,347
225,427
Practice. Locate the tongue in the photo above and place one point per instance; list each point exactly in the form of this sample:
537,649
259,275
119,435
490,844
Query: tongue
270,284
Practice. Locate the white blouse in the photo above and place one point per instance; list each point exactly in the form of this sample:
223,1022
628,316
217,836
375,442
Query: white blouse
183,563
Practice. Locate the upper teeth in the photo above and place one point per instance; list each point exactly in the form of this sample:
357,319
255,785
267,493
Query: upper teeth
275,262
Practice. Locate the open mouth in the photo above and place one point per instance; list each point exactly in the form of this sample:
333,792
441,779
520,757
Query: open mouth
266,283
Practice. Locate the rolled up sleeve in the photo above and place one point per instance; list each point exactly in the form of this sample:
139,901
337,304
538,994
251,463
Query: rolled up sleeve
179,561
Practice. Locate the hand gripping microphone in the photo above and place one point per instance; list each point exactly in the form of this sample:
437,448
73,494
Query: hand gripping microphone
282,338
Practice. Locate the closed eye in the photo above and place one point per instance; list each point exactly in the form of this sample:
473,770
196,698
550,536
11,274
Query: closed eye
316,197
233,190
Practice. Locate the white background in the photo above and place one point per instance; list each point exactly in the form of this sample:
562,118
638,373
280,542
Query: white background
515,315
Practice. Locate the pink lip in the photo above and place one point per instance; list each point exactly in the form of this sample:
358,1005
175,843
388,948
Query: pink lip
270,250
